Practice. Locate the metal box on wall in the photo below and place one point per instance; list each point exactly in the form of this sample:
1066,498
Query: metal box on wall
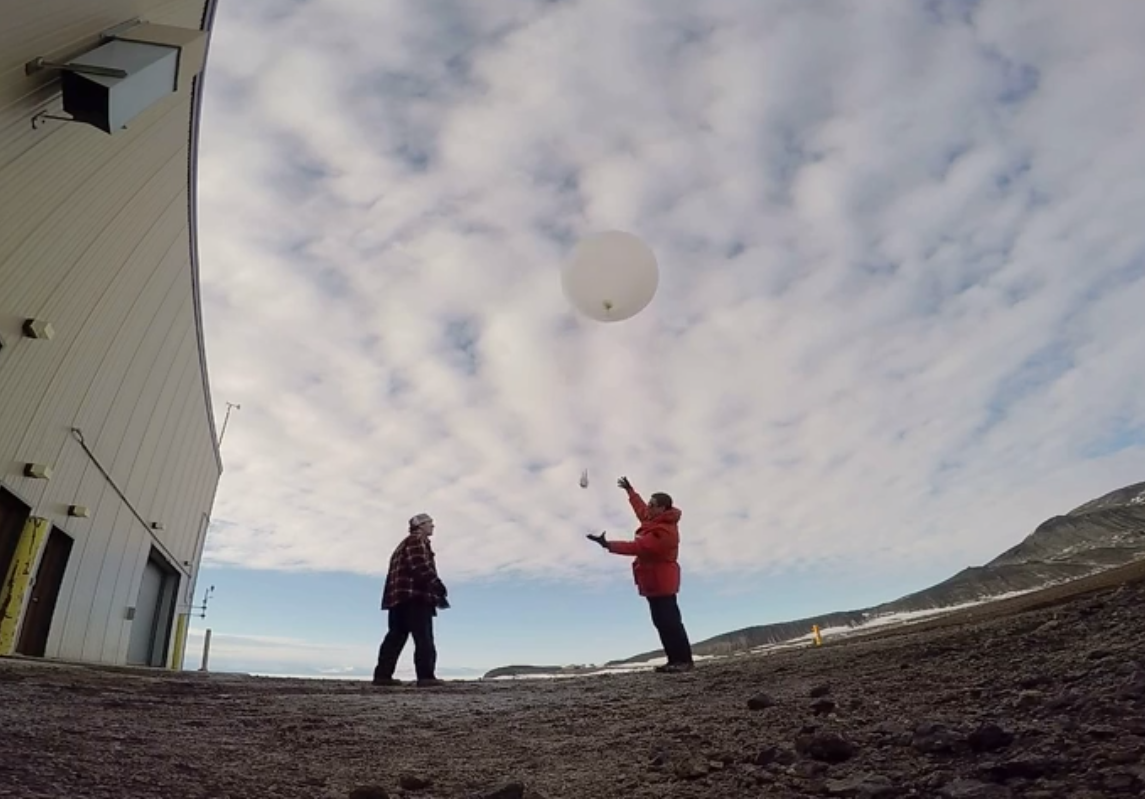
110,102
133,70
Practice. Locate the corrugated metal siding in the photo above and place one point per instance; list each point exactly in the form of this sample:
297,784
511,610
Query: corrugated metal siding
95,238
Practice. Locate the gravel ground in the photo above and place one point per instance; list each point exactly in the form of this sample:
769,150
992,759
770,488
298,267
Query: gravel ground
1038,704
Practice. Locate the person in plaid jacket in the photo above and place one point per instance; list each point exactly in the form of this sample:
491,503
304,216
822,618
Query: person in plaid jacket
413,594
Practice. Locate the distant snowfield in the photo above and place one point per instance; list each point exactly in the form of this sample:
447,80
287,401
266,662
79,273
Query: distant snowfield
351,677
870,625
896,619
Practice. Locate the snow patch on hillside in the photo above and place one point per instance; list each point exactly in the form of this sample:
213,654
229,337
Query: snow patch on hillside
879,622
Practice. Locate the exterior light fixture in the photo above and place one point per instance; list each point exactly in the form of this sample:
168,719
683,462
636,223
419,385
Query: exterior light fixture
38,471
38,328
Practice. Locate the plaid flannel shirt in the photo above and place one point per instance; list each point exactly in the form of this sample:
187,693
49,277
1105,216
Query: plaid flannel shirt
413,574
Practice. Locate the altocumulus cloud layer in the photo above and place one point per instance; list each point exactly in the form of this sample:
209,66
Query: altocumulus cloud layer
902,276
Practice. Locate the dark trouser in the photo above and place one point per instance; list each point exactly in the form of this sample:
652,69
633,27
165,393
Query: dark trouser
408,618
670,625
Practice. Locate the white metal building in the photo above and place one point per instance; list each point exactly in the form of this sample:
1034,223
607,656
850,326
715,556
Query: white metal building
108,454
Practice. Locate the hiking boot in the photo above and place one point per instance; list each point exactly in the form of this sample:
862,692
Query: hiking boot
389,682
431,682
674,668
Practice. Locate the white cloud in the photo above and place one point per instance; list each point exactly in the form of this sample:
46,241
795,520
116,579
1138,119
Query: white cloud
902,268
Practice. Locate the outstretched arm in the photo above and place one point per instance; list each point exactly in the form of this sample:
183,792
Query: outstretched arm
650,544
639,506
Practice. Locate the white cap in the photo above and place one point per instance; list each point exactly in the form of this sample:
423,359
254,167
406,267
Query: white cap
419,520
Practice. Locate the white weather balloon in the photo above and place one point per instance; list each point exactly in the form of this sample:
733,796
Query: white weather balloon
611,276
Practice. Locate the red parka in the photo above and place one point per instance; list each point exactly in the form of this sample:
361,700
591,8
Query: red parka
656,548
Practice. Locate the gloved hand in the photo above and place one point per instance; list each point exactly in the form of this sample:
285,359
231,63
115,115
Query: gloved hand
623,483
600,539
442,603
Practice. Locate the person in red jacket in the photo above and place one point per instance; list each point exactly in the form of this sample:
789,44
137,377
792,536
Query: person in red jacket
656,570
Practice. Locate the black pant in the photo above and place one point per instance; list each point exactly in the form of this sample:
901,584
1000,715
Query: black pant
670,626
408,618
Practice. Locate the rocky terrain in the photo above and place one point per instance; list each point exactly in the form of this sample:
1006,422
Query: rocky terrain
1037,698
1104,533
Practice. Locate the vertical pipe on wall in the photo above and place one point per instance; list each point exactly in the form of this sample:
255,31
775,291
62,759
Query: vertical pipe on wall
14,590
180,642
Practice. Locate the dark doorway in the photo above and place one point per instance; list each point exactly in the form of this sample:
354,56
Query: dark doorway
13,515
45,591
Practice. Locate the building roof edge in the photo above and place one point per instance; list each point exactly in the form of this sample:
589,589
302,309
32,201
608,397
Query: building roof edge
207,23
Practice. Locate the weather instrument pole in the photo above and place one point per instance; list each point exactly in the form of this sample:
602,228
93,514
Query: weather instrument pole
226,419
202,614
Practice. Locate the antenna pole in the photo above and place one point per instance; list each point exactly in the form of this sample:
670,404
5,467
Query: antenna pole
226,419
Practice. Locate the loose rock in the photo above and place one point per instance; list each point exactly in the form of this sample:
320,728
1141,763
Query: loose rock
513,790
412,782
1031,698
828,747
760,702
369,792
990,738
690,769
862,785
1029,768
933,738
972,789
766,756
822,707
1124,782
1101,732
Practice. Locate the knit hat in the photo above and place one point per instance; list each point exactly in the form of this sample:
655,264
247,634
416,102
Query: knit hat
417,521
